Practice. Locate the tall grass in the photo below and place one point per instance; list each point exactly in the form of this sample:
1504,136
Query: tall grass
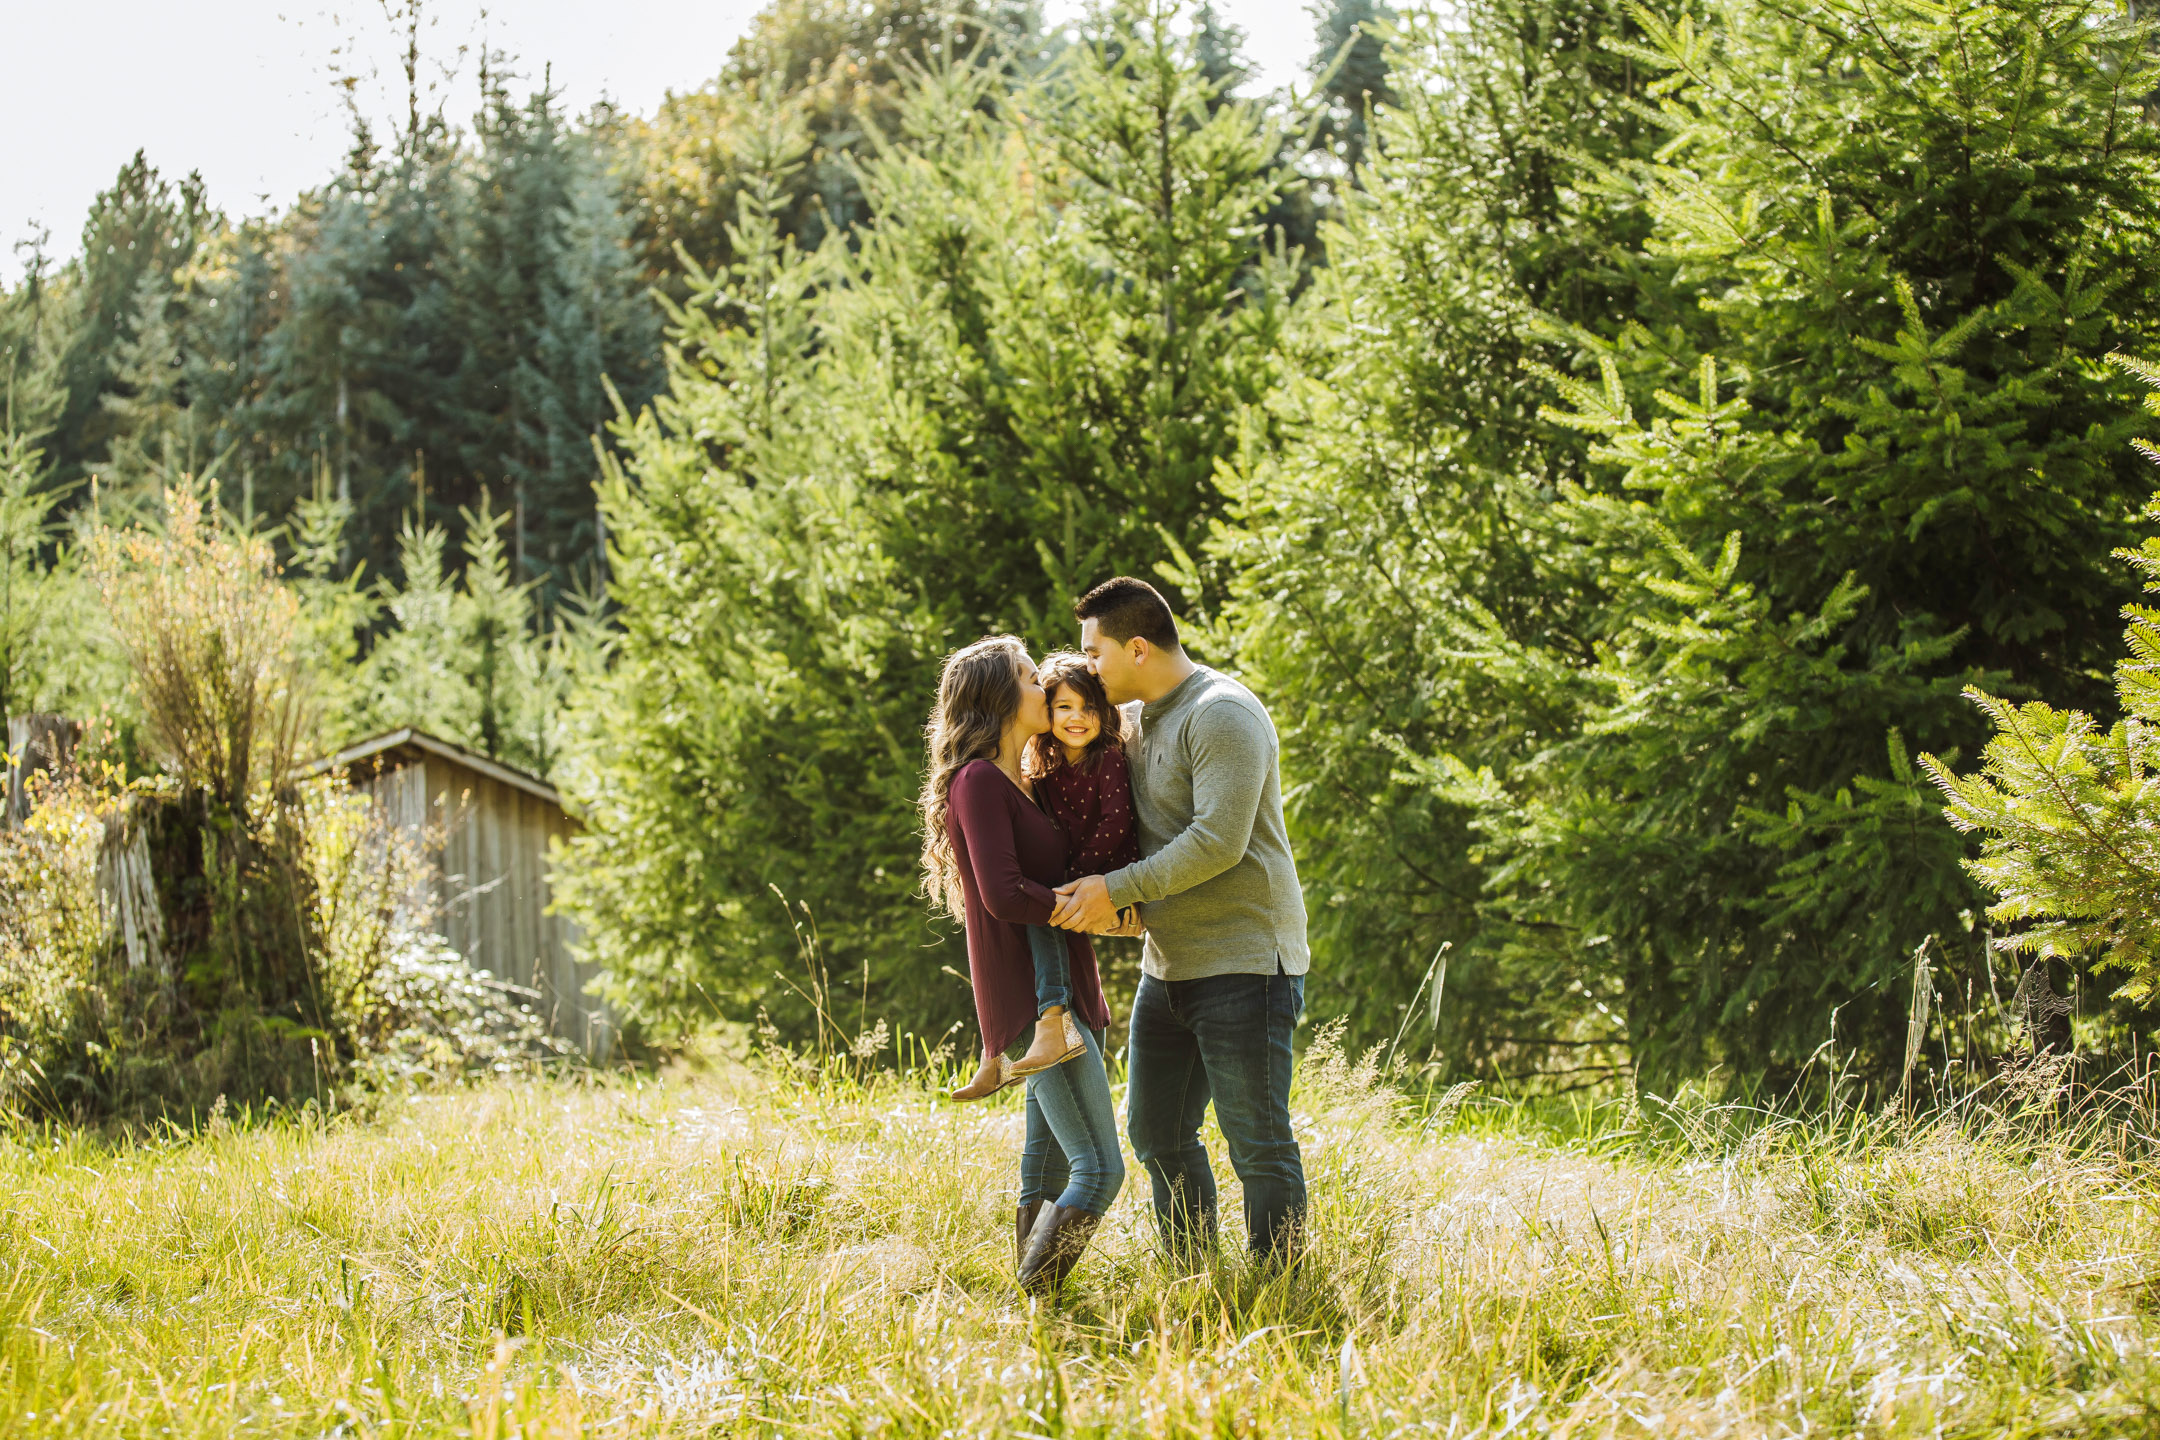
209,635
752,1250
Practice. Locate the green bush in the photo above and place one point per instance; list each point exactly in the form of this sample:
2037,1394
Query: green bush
1654,674
2068,812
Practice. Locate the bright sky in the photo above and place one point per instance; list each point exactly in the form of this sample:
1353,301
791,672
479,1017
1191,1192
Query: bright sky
245,91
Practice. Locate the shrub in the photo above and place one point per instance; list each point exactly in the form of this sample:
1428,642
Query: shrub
2070,813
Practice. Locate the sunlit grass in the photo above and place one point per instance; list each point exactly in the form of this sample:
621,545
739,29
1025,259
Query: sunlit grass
743,1251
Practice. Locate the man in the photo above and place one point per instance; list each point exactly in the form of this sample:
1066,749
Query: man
1223,972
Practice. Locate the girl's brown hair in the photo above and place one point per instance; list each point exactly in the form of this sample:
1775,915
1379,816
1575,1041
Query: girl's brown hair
1070,669
978,695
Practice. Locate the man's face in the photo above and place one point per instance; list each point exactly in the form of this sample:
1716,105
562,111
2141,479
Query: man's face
1117,666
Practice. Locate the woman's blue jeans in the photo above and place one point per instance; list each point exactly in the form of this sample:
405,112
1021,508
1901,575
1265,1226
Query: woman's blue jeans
1053,968
1071,1154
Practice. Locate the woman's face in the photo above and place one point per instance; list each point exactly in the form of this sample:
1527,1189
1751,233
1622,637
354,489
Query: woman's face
1071,722
1033,716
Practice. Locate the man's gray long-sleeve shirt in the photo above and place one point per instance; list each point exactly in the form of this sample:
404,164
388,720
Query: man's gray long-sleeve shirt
1216,881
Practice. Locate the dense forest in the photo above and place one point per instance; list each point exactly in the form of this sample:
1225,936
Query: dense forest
1639,454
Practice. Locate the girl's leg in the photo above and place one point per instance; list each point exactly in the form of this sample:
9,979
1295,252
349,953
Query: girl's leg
1053,967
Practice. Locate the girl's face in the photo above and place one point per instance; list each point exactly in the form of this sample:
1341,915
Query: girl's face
1071,722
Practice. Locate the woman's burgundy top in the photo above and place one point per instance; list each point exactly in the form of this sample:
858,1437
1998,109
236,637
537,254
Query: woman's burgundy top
1010,854
1095,807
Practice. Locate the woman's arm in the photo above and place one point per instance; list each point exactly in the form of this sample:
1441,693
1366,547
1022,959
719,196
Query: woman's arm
983,812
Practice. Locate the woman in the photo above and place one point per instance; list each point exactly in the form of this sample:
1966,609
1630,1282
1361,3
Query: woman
990,856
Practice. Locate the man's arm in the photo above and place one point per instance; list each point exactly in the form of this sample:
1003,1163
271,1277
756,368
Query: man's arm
1231,753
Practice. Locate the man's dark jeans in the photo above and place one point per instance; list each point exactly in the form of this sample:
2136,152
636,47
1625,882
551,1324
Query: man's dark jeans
1225,1038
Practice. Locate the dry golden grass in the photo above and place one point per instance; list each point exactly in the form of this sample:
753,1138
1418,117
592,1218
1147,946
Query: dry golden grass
749,1251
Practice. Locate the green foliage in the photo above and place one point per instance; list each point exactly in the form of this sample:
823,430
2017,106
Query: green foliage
1022,380
840,65
1411,482
52,650
468,657
2067,810
138,234
1353,54
1721,627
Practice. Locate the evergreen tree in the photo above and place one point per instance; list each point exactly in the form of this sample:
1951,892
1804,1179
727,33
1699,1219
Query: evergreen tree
153,440
463,657
1218,46
1352,63
2067,809
1705,813
1411,487
141,227
47,635
1024,379
35,320
597,332
365,367
509,232
336,610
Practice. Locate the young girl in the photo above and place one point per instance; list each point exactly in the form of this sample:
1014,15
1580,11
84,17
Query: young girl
1079,769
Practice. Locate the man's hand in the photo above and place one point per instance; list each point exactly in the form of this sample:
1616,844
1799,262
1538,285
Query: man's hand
1084,904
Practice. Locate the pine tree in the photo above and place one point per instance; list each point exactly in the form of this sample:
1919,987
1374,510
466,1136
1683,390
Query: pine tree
35,320
42,627
1352,63
152,424
2067,809
598,332
1403,484
1024,379
842,63
141,227
1895,476
336,610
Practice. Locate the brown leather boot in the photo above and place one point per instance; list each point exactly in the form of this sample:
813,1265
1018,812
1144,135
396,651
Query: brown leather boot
1023,1226
993,1075
1057,1039
1061,1235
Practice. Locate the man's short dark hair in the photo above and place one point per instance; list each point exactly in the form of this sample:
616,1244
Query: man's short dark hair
1124,608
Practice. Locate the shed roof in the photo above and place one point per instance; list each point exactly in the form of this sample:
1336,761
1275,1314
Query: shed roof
419,742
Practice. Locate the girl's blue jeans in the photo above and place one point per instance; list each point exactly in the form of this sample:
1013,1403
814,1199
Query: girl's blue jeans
1071,1154
1053,968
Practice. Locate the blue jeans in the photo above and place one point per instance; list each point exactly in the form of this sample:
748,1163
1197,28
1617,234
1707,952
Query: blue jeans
1053,968
1225,1038
1071,1154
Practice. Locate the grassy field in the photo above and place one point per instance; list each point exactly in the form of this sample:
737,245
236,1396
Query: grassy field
748,1251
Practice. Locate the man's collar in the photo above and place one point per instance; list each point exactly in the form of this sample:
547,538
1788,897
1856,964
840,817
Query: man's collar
1155,706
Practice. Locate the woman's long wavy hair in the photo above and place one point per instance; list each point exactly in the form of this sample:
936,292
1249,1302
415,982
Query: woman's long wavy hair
1069,668
977,698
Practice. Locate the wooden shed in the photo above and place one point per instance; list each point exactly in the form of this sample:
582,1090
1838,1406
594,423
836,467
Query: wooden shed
492,894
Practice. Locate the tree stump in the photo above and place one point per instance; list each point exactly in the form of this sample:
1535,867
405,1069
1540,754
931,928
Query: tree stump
38,744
